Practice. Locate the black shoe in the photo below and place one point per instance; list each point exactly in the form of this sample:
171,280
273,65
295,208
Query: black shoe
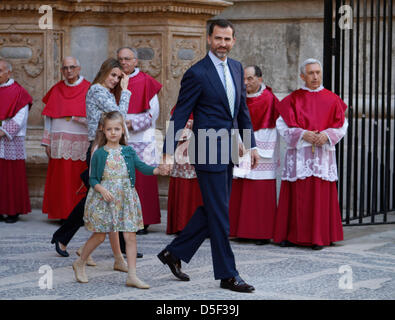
174,264
262,242
2,217
286,243
317,247
236,284
142,232
139,255
12,219
63,253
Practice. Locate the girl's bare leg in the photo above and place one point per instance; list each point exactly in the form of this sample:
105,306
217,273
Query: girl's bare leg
119,261
93,242
131,251
79,265
114,241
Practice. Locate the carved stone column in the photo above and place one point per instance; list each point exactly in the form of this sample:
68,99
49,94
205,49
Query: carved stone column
170,36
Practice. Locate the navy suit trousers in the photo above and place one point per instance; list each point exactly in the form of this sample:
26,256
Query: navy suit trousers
210,220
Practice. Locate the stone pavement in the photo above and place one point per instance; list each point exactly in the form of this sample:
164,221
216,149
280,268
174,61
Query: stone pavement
360,267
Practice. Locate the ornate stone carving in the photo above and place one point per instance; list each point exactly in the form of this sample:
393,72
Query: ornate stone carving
185,52
28,71
151,44
35,63
57,54
203,7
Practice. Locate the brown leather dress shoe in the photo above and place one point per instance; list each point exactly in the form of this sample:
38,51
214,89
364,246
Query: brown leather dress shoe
236,284
174,264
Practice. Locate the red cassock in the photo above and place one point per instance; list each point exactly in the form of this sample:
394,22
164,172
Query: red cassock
253,203
308,211
62,186
144,88
183,197
14,193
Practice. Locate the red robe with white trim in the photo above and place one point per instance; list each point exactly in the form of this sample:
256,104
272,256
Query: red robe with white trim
69,143
308,211
144,88
253,202
15,103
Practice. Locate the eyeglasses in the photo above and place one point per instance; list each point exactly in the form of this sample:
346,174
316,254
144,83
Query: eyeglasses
125,59
65,68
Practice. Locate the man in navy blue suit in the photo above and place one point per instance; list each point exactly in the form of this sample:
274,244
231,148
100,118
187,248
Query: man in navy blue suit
213,90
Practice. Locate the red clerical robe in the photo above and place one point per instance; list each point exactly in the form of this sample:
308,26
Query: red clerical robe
14,193
184,194
68,138
308,211
66,101
253,202
144,88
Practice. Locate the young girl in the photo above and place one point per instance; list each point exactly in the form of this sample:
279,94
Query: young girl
112,203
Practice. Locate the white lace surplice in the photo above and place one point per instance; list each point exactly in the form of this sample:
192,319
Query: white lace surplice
67,136
267,143
300,162
142,135
12,144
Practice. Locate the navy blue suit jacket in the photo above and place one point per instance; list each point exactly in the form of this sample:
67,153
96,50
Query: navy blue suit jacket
203,94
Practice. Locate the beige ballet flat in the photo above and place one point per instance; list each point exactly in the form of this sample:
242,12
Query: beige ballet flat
89,262
79,271
120,265
133,281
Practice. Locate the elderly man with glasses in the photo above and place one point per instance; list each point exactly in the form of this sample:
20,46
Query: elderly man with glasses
142,114
65,140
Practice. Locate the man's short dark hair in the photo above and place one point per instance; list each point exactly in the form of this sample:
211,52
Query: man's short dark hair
222,23
257,71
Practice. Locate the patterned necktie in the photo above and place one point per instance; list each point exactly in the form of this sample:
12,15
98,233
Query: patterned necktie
228,87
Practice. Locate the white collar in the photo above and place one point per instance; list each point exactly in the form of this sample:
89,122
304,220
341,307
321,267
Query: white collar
321,87
257,94
135,73
8,83
217,61
75,83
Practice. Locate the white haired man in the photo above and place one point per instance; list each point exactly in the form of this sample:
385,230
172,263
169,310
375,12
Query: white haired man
141,117
65,140
14,112
312,121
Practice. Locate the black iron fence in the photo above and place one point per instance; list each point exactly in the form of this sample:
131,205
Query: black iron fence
358,66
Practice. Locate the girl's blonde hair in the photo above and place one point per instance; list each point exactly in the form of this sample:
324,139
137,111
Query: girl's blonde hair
100,139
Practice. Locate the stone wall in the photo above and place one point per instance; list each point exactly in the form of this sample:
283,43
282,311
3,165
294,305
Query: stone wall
169,35
277,35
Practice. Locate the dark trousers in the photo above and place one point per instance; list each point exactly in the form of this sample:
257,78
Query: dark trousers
70,227
210,220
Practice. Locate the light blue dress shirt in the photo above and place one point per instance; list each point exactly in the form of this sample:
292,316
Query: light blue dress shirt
220,70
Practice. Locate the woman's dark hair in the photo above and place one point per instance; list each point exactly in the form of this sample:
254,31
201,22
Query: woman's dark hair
103,73
222,23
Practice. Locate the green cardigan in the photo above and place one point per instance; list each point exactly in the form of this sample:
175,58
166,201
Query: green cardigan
132,161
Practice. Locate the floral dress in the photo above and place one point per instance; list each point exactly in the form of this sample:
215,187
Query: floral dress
124,212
